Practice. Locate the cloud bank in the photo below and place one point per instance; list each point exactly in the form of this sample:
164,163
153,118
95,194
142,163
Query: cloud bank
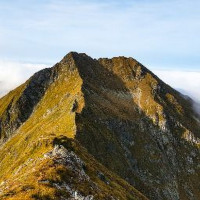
15,73
187,82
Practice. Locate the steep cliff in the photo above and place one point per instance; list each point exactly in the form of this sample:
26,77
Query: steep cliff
116,113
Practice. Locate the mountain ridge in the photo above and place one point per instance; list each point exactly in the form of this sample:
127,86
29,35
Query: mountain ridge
119,111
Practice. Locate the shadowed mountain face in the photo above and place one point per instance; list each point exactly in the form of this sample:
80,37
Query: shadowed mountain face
115,110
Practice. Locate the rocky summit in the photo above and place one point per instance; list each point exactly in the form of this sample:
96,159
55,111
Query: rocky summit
98,129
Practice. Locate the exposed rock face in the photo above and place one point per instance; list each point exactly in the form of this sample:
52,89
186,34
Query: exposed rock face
126,117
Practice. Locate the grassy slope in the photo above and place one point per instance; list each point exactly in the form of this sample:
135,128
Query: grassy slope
11,96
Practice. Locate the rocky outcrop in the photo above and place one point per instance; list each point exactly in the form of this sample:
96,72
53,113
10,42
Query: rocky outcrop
68,158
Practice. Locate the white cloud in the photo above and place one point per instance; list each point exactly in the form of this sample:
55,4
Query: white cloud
15,73
187,82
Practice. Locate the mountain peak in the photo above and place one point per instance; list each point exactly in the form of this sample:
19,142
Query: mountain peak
73,127
73,55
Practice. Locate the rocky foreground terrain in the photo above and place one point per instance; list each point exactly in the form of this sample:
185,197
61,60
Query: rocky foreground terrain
98,129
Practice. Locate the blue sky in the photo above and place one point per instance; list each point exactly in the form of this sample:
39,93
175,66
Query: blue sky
163,35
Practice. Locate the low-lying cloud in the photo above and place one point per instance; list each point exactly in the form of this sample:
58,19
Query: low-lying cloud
15,73
187,82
